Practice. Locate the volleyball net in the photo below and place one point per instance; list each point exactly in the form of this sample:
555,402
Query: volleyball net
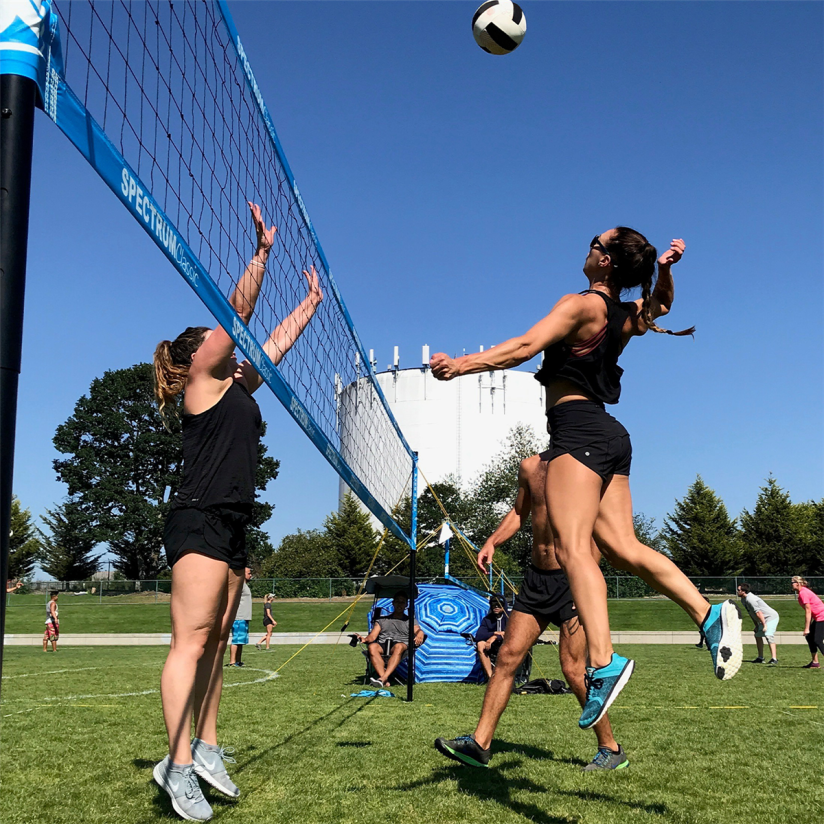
161,99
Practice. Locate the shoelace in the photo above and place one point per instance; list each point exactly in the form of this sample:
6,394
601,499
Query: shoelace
193,791
224,753
592,683
603,756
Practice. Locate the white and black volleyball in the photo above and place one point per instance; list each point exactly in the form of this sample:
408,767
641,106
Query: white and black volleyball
499,26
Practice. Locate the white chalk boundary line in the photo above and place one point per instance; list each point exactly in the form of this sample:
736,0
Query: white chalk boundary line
79,669
269,675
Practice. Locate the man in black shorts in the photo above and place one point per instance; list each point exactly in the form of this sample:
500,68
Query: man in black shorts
544,598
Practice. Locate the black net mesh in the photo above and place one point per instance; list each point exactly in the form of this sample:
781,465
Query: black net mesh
165,82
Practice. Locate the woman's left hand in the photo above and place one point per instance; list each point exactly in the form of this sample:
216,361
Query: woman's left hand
315,292
443,367
673,254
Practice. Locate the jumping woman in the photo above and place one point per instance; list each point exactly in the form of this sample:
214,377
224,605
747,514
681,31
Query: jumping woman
205,532
588,475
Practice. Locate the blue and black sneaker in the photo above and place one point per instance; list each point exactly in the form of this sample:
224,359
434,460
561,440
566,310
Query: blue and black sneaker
603,685
464,749
722,627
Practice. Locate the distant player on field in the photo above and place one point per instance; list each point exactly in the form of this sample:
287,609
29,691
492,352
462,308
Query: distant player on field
765,620
544,598
52,632
813,619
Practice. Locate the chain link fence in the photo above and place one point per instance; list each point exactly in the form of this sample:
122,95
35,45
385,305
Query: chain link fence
153,592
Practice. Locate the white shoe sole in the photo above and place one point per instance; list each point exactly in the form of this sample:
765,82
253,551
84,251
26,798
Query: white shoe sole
730,649
160,780
616,691
212,781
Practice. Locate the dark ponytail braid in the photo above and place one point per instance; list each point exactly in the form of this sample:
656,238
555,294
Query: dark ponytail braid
633,264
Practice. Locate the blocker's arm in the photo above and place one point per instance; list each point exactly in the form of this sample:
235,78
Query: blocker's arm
288,331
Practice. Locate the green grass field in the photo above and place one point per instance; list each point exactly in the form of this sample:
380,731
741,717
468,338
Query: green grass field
26,614
82,729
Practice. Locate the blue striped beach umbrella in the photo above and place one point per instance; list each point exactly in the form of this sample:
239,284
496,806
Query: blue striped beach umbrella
443,612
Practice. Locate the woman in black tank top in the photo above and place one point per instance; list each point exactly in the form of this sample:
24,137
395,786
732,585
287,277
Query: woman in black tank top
588,475
205,531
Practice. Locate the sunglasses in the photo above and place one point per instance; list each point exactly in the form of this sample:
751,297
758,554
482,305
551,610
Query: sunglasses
595,243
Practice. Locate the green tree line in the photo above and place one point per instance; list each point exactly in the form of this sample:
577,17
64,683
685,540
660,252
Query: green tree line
122,467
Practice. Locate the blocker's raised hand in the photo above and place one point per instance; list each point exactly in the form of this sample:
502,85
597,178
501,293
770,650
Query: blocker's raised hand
315,292
443,367
673,254
265,237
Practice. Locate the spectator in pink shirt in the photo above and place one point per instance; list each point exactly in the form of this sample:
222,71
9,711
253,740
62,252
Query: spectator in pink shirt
813,619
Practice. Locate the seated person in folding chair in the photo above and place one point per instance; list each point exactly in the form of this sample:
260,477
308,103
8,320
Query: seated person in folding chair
490,634
387,643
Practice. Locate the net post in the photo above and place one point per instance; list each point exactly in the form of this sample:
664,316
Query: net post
18,95
413,553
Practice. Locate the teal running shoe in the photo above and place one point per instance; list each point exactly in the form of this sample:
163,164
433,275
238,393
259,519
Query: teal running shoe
722,627
607,759
603,686
463,749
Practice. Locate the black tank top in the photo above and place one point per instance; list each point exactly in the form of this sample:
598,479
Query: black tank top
220,453
591,364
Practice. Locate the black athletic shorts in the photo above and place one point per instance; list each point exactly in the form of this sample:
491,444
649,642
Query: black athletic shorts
546,595
218,531
585,430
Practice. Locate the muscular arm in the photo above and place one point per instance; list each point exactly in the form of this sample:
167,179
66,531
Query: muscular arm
663,294
510,523
373,635
566,316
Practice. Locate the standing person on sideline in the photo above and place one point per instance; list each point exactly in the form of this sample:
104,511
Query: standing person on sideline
544,598
205,536
588,477
269,623
52,632
765,621
813,619
490,634
240,627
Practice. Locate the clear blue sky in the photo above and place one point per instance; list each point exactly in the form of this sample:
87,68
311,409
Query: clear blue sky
455,194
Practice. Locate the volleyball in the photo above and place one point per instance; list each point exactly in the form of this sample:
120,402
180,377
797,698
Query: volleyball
499,26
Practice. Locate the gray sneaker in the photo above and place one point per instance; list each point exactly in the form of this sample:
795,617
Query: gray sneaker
184,791
607,759
208,764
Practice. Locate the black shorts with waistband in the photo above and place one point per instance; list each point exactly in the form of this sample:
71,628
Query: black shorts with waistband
546,595
216,531
585,430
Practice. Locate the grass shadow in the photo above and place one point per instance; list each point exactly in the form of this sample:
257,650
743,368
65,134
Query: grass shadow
494,784
357,744
589,795
534,753
310,726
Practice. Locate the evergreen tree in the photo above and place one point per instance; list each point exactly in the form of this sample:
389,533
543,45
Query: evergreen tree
353,540
123,467
308,554
67,546
773,534
700,536
811,516
24,545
